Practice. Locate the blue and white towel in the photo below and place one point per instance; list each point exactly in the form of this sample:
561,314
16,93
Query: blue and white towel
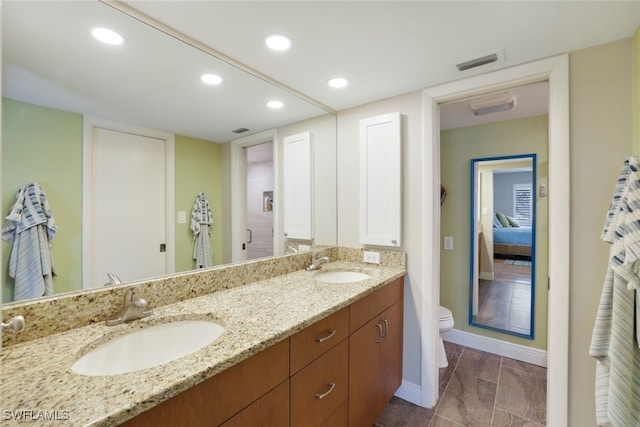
614,342
30,227
201,221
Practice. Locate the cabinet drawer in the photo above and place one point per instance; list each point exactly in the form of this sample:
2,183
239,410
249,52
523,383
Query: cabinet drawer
321,388
318,338
271,410
375,303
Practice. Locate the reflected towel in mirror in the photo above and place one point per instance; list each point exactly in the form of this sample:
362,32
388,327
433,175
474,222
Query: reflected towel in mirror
201,221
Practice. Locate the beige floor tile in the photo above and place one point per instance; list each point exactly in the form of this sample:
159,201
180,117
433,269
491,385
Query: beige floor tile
468,400
522,394
479,364
505,419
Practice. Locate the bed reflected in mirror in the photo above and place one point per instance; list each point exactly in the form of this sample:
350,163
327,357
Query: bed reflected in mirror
503,223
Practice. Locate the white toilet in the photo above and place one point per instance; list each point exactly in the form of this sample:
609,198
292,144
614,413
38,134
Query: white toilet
446,324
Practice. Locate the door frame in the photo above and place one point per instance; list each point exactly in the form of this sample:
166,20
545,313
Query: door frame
556,71
239,192
89,123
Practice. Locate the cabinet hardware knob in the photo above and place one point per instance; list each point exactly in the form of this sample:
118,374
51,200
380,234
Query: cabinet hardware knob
395,242
386,328
326,393
332,332
379,325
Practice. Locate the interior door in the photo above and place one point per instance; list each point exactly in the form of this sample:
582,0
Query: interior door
128,209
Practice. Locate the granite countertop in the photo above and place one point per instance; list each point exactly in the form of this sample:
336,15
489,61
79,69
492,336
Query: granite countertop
37,382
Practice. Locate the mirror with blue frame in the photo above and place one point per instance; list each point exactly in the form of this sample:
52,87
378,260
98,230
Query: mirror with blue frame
503,229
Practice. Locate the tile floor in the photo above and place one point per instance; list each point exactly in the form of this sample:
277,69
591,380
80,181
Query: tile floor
505,302
477,389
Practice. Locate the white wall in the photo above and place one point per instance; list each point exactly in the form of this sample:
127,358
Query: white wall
410,106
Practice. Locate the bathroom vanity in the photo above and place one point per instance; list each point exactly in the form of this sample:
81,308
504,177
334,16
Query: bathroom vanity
296,351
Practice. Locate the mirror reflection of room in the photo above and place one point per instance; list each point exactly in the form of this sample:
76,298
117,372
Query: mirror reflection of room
65,102
504,203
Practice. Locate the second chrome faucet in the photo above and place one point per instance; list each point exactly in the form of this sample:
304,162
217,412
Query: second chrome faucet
132,308
316,262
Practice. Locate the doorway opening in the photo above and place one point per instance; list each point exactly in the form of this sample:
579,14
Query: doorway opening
556,71
259,200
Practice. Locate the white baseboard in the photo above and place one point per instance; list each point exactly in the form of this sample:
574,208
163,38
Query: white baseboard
487,276
410,392
502,348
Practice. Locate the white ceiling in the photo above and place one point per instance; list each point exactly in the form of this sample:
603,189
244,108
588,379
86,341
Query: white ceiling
531,100
384,48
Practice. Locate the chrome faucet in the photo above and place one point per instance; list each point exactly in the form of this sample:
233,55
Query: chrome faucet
317,262
113,280
132,308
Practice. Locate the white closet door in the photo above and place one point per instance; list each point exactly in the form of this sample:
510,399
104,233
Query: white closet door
128,213
298,187
380,180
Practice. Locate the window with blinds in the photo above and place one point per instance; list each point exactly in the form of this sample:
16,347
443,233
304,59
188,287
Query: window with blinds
523,203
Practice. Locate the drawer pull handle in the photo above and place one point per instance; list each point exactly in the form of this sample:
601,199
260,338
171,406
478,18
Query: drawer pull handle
332,332
380,336
323,395
386,328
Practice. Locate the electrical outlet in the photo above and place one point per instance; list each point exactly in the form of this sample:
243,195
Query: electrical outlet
448,243
302,248
371,257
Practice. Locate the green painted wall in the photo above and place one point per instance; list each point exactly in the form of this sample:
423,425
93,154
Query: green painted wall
198,169
458,147
45,145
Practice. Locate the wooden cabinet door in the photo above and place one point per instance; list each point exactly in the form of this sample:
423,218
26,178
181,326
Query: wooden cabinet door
364,381
391,353
320,389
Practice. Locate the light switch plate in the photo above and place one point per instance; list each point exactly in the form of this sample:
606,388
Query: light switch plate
371,257
182,217
448,243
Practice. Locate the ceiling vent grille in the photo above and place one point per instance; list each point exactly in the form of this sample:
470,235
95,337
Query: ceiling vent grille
240,130
477,62
494,105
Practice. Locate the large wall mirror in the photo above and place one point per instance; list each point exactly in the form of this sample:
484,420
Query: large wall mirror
56,77
503,249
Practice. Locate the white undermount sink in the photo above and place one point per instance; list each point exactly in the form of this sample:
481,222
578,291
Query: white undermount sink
341,276
148,347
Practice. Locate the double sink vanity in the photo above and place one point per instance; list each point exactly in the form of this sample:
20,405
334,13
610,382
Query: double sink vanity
264,342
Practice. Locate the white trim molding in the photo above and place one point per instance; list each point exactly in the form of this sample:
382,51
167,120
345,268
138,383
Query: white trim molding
501,348
556,71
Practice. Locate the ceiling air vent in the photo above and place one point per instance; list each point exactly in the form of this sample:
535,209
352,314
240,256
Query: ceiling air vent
240,130
477,62
494,105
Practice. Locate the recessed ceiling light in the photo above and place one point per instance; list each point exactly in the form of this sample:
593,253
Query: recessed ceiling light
338,82
107,36
211,79
278,42
275,104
